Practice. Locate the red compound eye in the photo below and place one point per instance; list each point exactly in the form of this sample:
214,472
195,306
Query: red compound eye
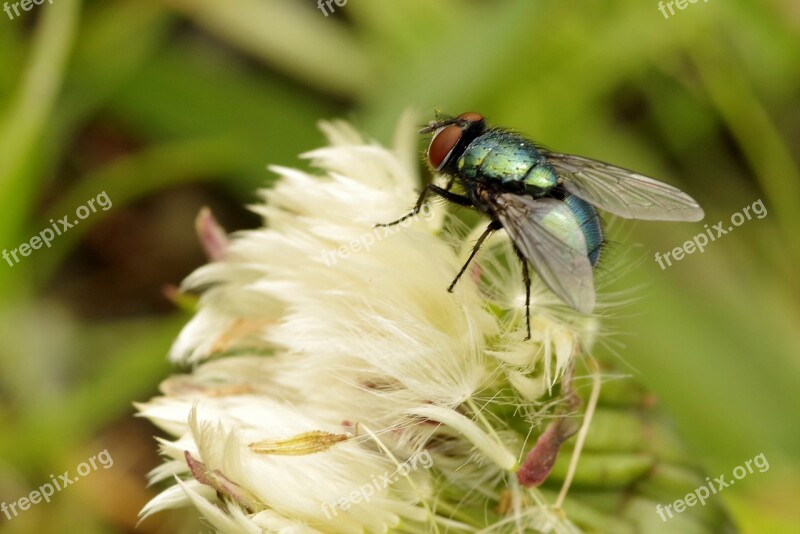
471,116
442,145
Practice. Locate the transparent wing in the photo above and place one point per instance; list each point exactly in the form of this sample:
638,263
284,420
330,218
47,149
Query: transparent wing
623,192
549,236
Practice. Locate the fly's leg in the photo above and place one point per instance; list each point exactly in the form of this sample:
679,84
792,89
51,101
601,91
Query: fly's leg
494,225
436,190
526,279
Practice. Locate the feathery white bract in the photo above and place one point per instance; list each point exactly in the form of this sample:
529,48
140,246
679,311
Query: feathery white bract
293,337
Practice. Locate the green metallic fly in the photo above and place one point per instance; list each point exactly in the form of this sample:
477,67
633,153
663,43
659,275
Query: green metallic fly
544,200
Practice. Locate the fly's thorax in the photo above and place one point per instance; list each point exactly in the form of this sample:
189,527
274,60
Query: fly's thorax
471,161
540,179
507,158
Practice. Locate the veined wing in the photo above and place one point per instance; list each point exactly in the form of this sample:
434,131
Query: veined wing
549,236
623,192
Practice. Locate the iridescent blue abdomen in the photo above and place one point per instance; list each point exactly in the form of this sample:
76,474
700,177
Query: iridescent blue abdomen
590,225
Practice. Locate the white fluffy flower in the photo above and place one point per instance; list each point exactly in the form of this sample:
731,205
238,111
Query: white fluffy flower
337,386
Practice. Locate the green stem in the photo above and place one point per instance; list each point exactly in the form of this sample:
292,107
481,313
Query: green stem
22,129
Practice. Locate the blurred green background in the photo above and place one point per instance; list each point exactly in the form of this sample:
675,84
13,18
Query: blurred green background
172,105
